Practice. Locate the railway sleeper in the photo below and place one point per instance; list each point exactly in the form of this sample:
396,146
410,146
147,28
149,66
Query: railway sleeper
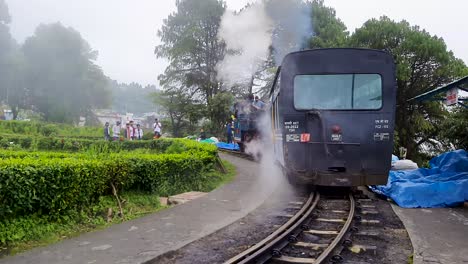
367,233
366,206
357,249
322,232
286,259
327,220
314,246
369,212
339,211
369,222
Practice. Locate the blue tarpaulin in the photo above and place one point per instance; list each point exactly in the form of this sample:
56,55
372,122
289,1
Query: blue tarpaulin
229,146
445,184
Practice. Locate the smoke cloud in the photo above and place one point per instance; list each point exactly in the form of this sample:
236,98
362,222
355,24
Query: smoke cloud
248,37
283,25
293,26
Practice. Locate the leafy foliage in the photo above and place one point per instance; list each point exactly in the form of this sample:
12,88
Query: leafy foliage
49,129
190,43
54,183
329,30
455,128
183,111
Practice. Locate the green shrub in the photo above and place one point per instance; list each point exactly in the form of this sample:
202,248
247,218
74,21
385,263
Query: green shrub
52,183
48,129
101,146
49,186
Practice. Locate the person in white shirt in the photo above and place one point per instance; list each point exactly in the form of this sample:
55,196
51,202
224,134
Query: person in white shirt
157,128
116,131
138,132
131,131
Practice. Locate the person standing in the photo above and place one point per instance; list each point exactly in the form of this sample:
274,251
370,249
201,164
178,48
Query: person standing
132,131
139,132
229,131
106,131
116,131
127,131
157,128
258,104
202,134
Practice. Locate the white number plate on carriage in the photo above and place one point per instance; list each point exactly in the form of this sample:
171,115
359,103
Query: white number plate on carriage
336,137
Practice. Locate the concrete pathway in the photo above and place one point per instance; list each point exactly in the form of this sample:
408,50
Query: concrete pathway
143,239
439,235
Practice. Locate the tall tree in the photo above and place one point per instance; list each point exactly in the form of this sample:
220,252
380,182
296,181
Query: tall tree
11,66
6,47
423,63
329,31
181,109
61,76
190,43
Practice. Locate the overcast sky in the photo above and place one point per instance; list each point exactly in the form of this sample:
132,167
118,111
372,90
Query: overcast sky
124,31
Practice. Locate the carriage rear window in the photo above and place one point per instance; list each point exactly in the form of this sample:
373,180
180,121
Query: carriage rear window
338,92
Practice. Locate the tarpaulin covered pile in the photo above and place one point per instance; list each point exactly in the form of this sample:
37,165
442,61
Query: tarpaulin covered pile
445,184
229,146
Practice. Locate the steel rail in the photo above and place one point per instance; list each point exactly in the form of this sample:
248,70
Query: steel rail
279,234
326,253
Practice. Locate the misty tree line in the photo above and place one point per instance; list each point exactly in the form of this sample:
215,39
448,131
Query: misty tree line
53,75
191,90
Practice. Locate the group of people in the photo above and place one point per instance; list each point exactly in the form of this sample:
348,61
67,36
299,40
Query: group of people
131,132
250,105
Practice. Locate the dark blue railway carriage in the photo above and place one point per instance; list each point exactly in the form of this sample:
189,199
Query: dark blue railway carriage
333,114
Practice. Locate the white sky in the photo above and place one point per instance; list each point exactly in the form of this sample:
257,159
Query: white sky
124,31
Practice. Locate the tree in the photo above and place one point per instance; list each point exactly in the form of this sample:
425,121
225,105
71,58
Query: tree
180,107
423,63
329,31
190,43
220,105
455,128
5,17
11,66
61,77
132,98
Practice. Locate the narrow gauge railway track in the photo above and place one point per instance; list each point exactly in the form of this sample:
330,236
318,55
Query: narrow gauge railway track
238,154
320,242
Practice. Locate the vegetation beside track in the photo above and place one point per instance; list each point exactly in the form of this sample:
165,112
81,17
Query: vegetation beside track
46,196
35,128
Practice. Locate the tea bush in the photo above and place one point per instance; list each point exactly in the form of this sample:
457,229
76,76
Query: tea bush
48,129
53,183
101,146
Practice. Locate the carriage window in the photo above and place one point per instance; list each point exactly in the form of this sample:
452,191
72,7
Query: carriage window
338,92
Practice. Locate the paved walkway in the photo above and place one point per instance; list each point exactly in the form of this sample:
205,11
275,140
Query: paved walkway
143,239
439,235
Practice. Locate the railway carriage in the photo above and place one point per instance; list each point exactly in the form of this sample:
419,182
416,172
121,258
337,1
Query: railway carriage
333,114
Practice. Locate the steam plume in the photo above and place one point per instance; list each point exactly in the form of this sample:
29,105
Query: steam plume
248,37
283,25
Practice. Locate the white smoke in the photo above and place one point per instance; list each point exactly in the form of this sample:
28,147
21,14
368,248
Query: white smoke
270,172
293,26
283,25
247,36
